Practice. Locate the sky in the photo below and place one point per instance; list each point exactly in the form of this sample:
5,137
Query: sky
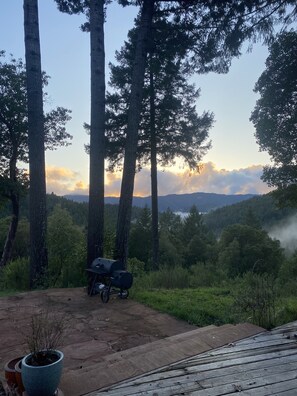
232,166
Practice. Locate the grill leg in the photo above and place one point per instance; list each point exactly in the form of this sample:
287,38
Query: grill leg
91,284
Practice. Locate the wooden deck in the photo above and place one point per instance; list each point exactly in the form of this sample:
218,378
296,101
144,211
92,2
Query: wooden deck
132,362
261,365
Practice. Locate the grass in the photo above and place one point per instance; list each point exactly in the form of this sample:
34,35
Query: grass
201,307
207,305
6,293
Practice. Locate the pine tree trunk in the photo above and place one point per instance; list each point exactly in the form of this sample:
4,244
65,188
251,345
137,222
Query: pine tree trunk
37,194
154,179
97,139
7,251
127,187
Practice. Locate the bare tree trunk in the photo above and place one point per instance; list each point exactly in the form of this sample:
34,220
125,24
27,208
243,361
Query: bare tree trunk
13,195
7,251
37,194
97,138
154,178
127,187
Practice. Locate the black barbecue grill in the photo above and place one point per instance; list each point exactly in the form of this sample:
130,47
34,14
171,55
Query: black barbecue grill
107,276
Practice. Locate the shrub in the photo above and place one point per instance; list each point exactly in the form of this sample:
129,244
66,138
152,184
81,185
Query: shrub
206,274
166,278
287,279
255,299
15,275
136,267
66,250
170,252
244,249
73,272
287,311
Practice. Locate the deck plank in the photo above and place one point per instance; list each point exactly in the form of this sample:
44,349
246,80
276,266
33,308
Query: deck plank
262,365
189,383
136,361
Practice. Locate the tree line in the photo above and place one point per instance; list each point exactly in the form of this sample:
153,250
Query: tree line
186,243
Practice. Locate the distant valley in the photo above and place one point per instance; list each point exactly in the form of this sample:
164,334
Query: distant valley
204,202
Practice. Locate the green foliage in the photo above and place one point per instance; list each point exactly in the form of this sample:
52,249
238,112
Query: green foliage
14,148
167,278
243,249
66,250
170,245
287,278
286,196
109,241
170,223
198,242
14,130
73,269
274,116
140,237
136,267
202,307
170,250
196,250
206,274
264,209
21,243
192,225
180,132
77,210
15,275
286,310
255,299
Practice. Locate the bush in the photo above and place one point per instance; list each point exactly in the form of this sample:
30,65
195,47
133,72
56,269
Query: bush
255,299
15,275
287,279
206,274
170,252
136,267
73,272
66,250
166,278
286,311
244,249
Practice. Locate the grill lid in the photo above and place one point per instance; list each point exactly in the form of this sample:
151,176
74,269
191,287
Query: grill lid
105,266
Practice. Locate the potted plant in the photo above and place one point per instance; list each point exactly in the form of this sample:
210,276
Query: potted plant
42,367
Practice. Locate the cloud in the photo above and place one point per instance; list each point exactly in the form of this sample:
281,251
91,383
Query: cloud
113,184
63,181
210,179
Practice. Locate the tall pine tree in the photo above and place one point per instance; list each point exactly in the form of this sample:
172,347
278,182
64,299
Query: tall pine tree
169,125
94,11
37,196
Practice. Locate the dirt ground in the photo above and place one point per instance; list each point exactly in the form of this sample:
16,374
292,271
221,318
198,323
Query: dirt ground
94,329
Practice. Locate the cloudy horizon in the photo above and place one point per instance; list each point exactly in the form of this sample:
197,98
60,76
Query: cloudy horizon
62,181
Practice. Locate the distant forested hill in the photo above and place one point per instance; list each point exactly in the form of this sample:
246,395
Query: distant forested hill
263,208
178,202
77,210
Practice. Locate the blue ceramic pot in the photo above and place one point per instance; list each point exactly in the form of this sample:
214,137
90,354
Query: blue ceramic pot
42,380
